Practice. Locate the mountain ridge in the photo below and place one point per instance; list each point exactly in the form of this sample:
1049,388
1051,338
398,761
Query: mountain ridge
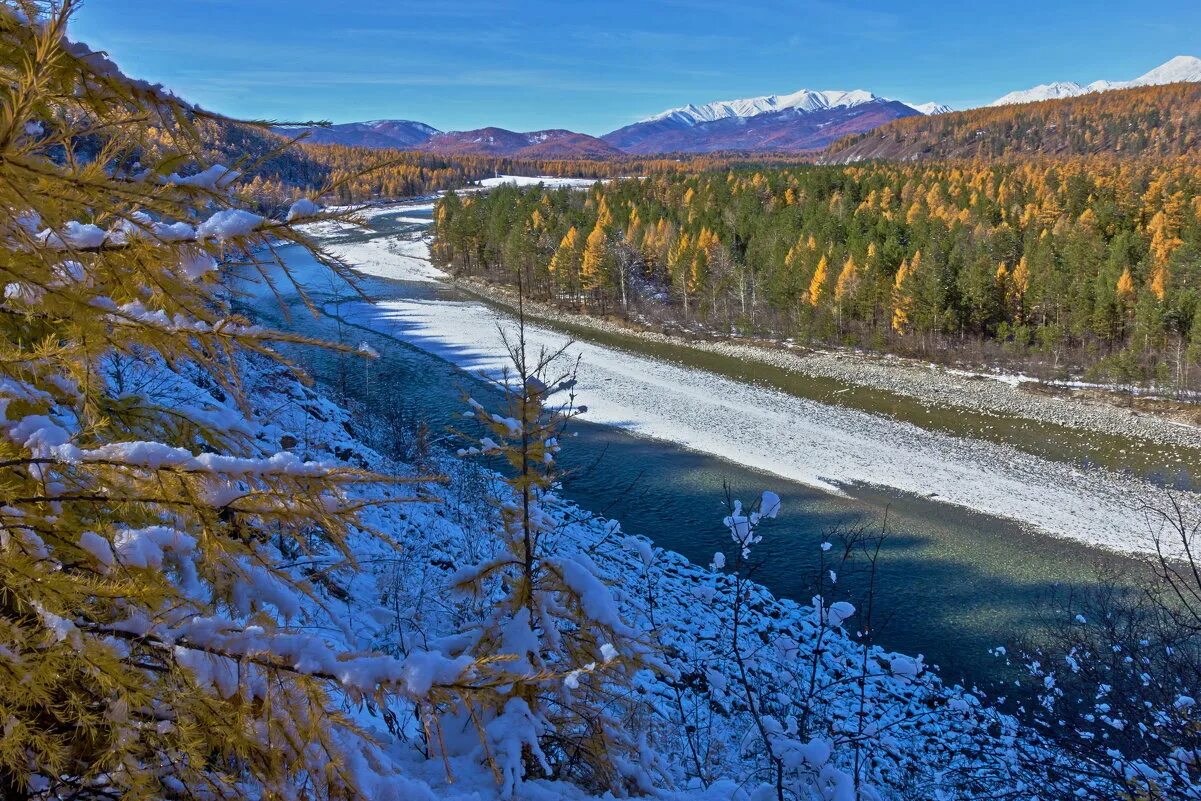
551,143
806,100
384,133
1179,69
1142,121
788,130
802,121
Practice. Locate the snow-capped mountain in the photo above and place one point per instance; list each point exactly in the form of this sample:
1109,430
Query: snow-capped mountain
1178,70
376,133
931,108
1044,91
803,100
1181,69
802,120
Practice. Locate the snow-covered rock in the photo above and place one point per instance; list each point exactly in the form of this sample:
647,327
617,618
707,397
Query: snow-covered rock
801,100
382,606
1044,91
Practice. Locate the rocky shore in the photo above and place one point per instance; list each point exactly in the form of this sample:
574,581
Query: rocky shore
1086,408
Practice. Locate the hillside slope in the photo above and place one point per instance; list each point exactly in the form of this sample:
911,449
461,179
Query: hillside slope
1180,69
1128,123
387,607
399,134
550,144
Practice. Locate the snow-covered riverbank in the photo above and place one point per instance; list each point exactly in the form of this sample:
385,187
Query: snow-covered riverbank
818,444
926,382
918,724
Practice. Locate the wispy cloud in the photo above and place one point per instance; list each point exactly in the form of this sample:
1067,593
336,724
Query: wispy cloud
514,78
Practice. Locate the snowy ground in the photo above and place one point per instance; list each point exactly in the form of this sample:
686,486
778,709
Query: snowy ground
824,446
932,384
548,181
384,606
398,259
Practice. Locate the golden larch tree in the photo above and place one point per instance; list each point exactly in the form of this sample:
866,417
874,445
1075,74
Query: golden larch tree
146,613
902,293
817,284
1125,286
564,266
594,264
848,278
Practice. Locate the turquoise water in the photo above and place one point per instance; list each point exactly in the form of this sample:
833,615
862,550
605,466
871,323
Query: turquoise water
953,583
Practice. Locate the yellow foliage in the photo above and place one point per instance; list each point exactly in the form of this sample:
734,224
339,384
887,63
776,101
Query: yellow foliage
847,279
817,285
592,267
565,263
902,294
1159,281
1125,285
141,658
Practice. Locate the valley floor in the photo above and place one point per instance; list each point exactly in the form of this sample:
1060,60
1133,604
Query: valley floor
820,444
382,604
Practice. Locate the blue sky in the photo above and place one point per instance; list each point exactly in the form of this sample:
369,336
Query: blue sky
595,66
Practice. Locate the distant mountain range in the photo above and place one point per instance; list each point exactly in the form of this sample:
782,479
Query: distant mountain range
1181,69
552,144
805,120
410,135
402,134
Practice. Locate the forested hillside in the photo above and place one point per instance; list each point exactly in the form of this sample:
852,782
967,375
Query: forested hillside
280,168
1145,121
219,584
279,172
1087,262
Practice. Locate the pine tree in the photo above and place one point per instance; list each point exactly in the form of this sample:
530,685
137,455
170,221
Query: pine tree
1194,351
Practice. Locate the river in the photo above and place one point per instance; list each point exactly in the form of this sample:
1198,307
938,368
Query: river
962,568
